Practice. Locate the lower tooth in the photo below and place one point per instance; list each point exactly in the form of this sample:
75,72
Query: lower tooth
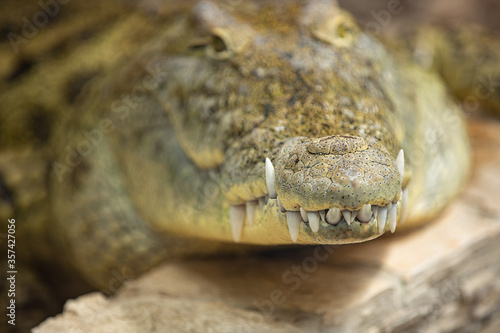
303,213
270,174
381,218
313,221
393,214
237,218
293,220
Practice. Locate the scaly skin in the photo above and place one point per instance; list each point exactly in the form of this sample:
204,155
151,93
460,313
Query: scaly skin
233,108
158,150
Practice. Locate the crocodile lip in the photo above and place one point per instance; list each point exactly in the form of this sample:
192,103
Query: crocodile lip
382,215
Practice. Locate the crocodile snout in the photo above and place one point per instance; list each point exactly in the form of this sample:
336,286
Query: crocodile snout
337,178
339,171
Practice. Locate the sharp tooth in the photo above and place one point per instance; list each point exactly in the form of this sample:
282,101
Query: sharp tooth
303,213
400,162
375,211
333,216
280,206
393,214
365,213
404,207
322,215
381,218
313,221
250,211
262,203
293,219
270,179
237,217
347,216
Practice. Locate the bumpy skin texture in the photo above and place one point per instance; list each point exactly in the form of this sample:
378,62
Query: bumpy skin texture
147,157
338,170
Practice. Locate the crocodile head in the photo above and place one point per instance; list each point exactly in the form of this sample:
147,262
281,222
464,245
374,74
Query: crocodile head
294,106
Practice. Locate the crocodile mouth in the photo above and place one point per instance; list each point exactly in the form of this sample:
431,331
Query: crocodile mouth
383,216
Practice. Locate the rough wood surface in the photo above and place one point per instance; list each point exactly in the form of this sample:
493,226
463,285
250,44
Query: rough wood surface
441,278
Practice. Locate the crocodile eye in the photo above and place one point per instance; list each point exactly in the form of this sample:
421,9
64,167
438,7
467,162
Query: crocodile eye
224,35
328,23
340,31
221,45
218,44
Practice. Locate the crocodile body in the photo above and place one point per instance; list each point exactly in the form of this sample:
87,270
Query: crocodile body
161,137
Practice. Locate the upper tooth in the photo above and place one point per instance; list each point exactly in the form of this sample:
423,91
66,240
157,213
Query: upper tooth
400,162
393,213
375,211
236,218
404,206
333,216
303,213
250,211
270,179
381,218
365,213
280,206
293,219
347,216
313,220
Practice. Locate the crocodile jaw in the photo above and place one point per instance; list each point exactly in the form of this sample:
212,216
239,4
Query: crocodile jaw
314,227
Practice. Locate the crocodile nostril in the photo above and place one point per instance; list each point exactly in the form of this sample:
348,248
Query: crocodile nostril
294,163
337,145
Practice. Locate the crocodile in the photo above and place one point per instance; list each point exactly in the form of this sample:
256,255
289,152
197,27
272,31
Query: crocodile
131,137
